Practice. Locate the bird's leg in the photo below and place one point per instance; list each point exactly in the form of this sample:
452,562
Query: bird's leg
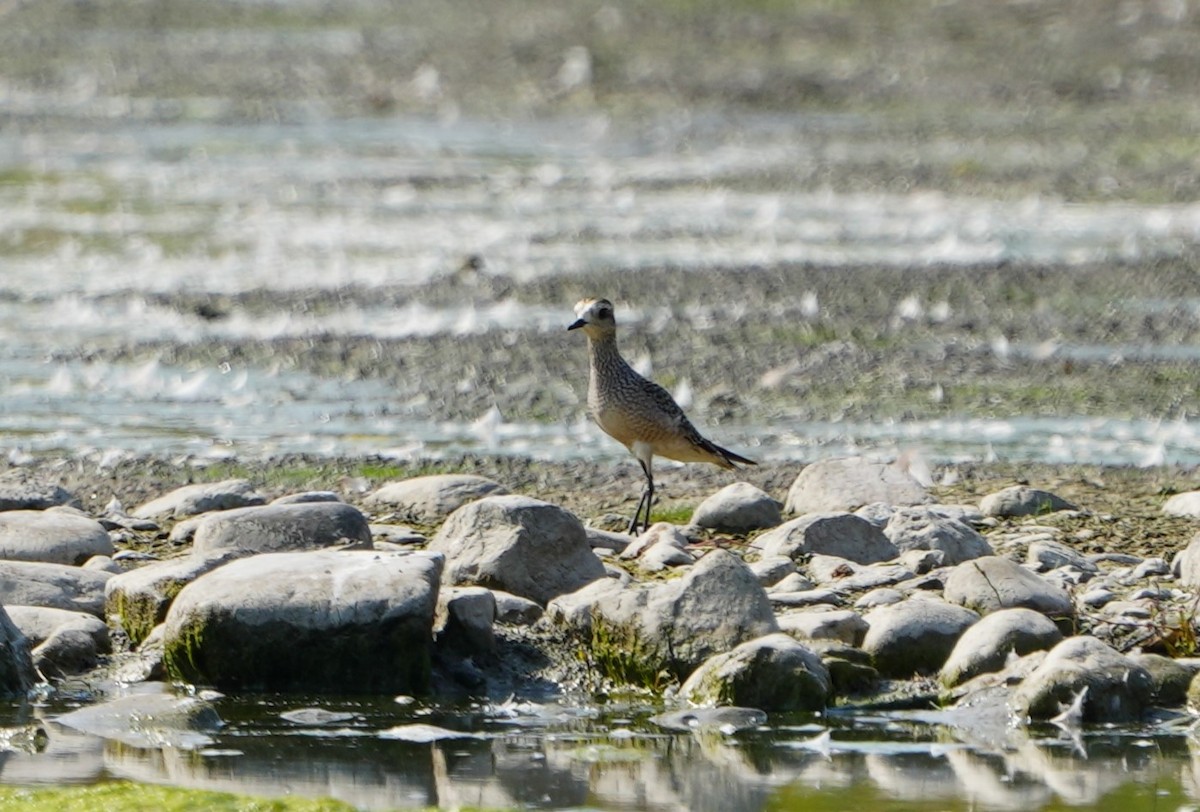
647,500
633,523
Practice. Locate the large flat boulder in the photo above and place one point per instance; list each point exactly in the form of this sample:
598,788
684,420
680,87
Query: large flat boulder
55,585
329,620
52,536
283,528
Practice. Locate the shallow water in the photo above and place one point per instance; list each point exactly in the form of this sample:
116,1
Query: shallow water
376,753
97,216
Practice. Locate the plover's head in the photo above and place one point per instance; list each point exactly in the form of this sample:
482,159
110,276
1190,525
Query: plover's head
594,317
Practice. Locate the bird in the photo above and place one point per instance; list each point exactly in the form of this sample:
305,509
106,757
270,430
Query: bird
637,412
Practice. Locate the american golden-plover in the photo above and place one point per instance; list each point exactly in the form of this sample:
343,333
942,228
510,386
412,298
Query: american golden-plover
638,413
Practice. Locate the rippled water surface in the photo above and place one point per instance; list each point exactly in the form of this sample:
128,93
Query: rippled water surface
101,216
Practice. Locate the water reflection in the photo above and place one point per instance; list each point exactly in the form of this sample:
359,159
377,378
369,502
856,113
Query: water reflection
561,757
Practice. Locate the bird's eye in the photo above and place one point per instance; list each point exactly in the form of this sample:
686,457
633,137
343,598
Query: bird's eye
604,313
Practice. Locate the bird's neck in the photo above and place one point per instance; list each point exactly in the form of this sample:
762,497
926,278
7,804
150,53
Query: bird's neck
604,354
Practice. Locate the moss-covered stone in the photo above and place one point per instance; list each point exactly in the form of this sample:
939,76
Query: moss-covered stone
327,621
772,673
623,655
141,598
392,657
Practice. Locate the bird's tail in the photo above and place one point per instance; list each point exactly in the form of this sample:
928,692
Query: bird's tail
731,460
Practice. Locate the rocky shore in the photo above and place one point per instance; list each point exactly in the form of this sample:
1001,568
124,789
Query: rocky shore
851,583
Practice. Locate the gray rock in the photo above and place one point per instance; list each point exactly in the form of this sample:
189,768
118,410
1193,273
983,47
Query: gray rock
191,500
283,528
58,586
1169,678
574,611
772,569
873,577
884,596
738,508
1183,504
608,540
671,625
38,623
52,536
16,666
148,720
850,483
517,544
328,620
839,534
1021,500
771,673
1151,568
660,534
929,528
1045,555
144,664
1097,597
139,599
513,610
922,561
67,652
830,569
1193,694
986,646
988,584
915,636
808,597
877,513
103,563
1187,563
305,497
185,530
20,491
795,582
398,535
1118,689
1068,578
464,620
428,500
665,555
1120,559
842,625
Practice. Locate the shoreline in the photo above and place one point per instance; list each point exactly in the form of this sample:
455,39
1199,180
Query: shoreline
1121,505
